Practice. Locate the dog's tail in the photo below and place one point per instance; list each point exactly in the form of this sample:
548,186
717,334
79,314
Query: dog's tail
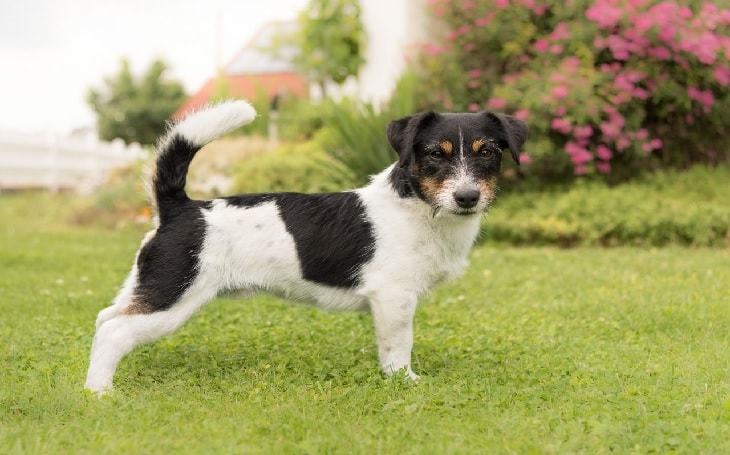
177,148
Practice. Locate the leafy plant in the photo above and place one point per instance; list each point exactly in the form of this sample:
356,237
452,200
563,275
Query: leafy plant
684,208
331,41
604,84
358,141
136,109
299,167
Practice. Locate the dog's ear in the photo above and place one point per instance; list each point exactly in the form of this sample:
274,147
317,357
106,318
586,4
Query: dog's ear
402,133
516,131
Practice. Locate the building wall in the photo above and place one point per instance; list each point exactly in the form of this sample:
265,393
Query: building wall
393,27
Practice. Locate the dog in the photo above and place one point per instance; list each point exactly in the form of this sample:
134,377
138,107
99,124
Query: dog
378,248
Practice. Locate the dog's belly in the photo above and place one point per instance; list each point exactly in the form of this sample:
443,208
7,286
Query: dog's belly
309,293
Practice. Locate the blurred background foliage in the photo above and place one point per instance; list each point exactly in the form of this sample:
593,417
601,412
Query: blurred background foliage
627,103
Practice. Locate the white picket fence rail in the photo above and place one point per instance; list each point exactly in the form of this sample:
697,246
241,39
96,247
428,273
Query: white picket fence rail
58,163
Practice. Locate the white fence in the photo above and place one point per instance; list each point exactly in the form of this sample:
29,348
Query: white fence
60,163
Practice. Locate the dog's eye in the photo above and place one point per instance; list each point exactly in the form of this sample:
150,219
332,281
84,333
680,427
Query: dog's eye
487,152
437,153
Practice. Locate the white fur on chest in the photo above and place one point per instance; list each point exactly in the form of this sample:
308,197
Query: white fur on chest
415,249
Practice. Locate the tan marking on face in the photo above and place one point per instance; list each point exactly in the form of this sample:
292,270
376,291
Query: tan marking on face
447,147
488,188
431,188
477,145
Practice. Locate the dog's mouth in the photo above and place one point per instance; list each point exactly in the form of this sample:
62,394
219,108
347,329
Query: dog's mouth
458,212
466,212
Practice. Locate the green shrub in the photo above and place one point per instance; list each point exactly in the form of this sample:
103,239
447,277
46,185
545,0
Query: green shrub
605,85
297,167
358,140
684,208
121,201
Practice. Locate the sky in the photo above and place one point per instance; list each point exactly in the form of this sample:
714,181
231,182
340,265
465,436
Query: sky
52,51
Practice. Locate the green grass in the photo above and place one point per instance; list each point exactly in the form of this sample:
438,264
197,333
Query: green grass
534,350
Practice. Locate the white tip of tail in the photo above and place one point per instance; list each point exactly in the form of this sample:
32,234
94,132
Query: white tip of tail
208,124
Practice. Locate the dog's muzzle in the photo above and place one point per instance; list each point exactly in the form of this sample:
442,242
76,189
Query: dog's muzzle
466,198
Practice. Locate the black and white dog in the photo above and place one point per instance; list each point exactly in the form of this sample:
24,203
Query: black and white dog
376,248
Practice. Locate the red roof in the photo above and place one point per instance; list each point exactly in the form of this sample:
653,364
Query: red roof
254,72
250,87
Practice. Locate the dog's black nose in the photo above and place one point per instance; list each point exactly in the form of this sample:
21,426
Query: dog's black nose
466,199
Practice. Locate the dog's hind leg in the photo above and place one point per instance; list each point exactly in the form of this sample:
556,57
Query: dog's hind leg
130,328
393,318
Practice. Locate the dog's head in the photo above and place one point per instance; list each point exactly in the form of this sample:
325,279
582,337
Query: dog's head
452,161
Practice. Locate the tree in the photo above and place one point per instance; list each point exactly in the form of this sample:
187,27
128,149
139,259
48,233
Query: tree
331,40
136,109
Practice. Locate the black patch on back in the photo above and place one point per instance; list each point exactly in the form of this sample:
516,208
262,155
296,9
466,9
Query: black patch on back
246,201
332,233
168,263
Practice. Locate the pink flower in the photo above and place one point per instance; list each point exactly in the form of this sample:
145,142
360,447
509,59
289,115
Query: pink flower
619,47
584,156
522,114
603,167
561,125
640,93
475,73
560,91
486,19
622,143
572,63
610,130
604,13
560,32
540,9
642,134
580,169
560,111
662,53
473,107
656,144
541,45
525,158
497,103
556,49
722,75
501,3
582,132
693,93
604,152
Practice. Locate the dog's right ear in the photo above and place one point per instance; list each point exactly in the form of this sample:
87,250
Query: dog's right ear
401,135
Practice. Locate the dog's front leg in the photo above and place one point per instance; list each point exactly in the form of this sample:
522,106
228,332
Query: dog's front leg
393,318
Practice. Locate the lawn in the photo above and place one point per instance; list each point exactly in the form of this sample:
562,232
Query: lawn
534,350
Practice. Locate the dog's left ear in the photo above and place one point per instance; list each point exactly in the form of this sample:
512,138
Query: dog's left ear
516,131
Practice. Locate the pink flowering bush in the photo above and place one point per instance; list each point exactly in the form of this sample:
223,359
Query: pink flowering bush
603,84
